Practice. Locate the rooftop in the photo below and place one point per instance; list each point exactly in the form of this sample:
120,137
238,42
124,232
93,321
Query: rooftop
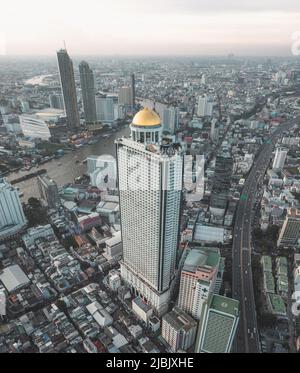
226,305
203,256
277,304
146,118
13,278
179,320
267,263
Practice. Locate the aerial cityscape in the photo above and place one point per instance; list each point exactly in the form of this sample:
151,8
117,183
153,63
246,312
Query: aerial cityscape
150,202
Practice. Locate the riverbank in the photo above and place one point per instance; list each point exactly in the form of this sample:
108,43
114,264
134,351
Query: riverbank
65,169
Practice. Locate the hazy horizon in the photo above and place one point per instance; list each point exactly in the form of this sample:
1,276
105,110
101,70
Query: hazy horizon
156,28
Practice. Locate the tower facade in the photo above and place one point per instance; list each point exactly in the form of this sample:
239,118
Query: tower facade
280,157
68,87
150,184
48,191
125,96
197,280
132,85
205,107
87,83
290,232
221,184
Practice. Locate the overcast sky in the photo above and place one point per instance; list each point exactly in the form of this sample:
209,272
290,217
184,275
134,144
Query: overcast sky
126,27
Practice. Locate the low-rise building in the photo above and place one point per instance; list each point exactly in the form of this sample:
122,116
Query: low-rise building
179,330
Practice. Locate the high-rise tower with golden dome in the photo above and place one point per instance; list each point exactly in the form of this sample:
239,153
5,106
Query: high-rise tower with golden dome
150,185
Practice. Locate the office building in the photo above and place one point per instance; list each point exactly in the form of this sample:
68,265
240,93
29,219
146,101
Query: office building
169,117
125,96
179,330
67,80
50,116
197,280
290,232
12,218
143,310
56,101
105,109
132,85
150,184
34,127
280,158
214,133
221,184
48,191
205,107
217,326
87,83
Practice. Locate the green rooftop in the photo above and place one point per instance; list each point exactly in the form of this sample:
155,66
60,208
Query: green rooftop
278,306
266,263
269,282
224,304
283,283
282,266
282,261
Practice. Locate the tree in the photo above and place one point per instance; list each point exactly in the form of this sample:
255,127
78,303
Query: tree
258,233
272,232
267,320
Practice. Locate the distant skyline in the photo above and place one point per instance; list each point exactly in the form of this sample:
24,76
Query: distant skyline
156,27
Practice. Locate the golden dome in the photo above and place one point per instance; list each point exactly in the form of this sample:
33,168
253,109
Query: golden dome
145,118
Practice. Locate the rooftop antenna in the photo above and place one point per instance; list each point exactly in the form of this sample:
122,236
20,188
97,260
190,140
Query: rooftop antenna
65,45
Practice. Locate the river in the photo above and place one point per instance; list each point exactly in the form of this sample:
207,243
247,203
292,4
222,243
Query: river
69,169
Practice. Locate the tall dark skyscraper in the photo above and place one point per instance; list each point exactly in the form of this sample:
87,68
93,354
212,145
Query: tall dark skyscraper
68,87
88,92
222,182
132,85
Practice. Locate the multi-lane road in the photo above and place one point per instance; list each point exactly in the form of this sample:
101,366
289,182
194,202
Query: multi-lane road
247,337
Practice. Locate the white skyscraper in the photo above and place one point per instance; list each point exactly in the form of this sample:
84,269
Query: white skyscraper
125,96
205,107
150,184
12,218
105,109
169,117
213,130
34,127
280,157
